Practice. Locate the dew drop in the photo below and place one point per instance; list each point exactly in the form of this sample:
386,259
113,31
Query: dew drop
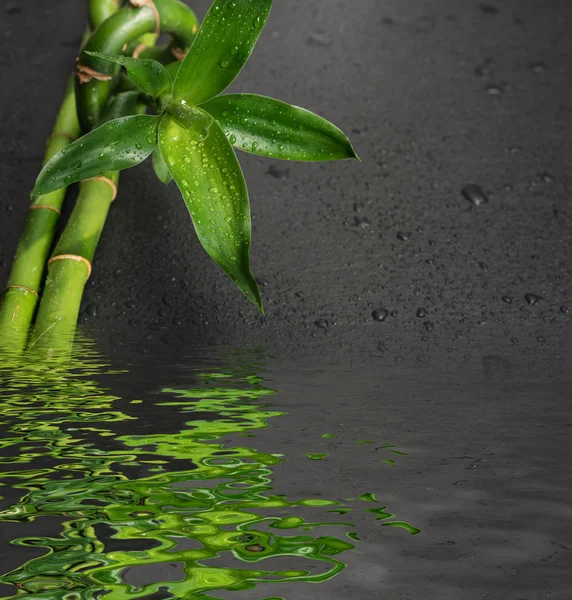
538,67
475,194
532,299
493,90
380,314
546,177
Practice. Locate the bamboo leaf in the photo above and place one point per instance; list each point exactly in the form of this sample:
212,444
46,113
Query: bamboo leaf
272,128
150,76
222,47
213,187
160,167
116,145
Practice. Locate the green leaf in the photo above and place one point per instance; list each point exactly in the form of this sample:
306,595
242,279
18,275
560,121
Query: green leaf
160,167
272,128
213,187
222,47
117,145
150,76
192,118
123,105
173,69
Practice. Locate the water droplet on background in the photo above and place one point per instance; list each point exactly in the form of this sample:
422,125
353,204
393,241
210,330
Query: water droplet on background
319,38
538,67
532,299
488,9
475,194
546,177
493,90
380,314
278,173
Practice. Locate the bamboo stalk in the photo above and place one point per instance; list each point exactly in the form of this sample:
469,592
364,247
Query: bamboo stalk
22,293
101,10
127,25
70,266
65,284
21,296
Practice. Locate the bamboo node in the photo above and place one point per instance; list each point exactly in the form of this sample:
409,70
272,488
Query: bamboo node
72,257
178,53
151,5
140,48
85,74
23,287
45,207
110,183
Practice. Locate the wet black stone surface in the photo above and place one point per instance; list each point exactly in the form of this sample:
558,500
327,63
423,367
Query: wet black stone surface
411,82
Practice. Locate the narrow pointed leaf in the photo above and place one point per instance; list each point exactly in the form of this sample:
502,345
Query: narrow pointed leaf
150,76
160,167
222,47
213,187
119,144
272,128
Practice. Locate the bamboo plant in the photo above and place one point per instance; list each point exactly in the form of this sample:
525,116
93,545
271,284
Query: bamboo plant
190,130
21,295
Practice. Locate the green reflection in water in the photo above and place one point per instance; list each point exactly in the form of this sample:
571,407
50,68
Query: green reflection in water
129,508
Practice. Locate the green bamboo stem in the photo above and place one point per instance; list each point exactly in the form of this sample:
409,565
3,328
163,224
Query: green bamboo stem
121,29
21,296
18,305
66,279
101,10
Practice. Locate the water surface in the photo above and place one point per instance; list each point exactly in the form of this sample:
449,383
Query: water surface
239,476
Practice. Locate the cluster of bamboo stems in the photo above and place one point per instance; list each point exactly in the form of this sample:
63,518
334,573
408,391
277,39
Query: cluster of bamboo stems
41,302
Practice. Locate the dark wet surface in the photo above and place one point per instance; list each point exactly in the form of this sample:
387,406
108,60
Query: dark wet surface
158,472
422,298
